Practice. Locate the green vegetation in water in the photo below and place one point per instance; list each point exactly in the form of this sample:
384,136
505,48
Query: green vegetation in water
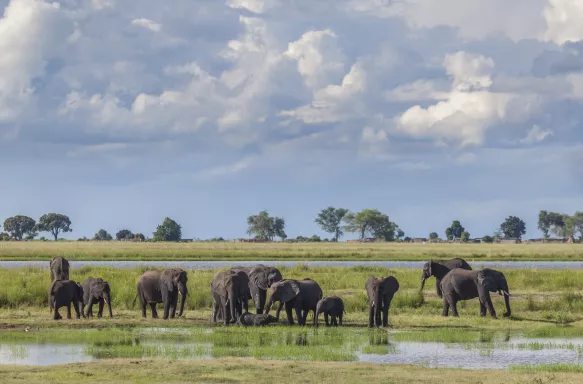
558,367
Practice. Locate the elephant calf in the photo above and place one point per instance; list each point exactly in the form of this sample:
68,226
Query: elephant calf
331,306
256,320
64,292
95,290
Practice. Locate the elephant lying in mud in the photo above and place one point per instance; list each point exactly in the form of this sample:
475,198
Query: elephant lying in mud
439,269
249,319
95,290
301,295
380,293
64,293
460,284
332,306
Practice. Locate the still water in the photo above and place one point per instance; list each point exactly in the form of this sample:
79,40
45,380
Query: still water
227,264
336,345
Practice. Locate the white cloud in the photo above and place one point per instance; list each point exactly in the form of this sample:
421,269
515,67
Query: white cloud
31,32
256,6
319,60
536,134
564,21
148,24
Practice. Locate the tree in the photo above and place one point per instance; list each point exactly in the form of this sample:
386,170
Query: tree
433,236
330,220
266,227
487,239
102,235
370,222
513,227
169,230
574,224
400,233
4,236
54,223
455,230
544,223
140,237
18,226
315,239
124,234
465,236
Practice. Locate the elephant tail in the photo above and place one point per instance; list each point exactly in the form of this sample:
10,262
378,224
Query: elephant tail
134,302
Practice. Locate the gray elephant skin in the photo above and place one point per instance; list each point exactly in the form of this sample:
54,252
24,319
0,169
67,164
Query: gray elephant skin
59,268
230,291
380,293
460,284
301,295
261,277
332,306
248,319
439,269
63,293
96,291
162,287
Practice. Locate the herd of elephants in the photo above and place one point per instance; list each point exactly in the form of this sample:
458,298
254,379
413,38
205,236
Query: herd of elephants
232,289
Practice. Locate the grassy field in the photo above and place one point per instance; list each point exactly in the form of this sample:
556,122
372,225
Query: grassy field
232,370
114,250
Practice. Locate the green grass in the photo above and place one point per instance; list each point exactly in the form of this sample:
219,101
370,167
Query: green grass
114,250
558,367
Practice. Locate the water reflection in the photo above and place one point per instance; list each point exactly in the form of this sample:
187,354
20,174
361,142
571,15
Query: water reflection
487,351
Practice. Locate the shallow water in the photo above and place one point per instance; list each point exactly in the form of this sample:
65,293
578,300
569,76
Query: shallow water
339,344
227,264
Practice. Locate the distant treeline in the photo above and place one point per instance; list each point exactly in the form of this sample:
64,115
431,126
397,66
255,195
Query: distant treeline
369,225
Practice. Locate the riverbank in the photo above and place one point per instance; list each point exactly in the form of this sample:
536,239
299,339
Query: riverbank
116,250
236,370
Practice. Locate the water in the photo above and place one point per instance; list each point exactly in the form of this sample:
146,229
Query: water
227,264
349,345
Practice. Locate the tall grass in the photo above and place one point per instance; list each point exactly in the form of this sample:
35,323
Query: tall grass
114,250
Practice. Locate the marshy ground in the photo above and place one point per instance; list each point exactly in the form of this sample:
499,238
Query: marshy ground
541,342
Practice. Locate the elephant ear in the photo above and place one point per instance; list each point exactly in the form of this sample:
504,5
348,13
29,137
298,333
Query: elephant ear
288,289
259,278
487,282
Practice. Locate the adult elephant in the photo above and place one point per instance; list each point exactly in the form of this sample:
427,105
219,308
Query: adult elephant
261,277
162,287
230,291
96,290
380,292
439,269
301,295
59,268
460,284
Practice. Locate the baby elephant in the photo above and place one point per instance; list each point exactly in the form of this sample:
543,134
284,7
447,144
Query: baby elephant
64,292
96,291
331,306
251,319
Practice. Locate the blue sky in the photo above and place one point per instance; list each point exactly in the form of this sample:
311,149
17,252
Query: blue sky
122,113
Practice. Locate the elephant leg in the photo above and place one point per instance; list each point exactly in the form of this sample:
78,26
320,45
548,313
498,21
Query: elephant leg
89,311
445,307
279,307
69,311
305,317
226,312
370,315
340,318
142,304
377,318
301,318
173,305
334,321
482,309
386,306
490,306
57,315
453,305
290,316
100,310
326,318
154,312
166,300
76,306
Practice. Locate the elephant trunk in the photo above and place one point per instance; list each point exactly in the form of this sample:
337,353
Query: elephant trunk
507,303
422,283
183,293
107,299
233,305
269,304
319,309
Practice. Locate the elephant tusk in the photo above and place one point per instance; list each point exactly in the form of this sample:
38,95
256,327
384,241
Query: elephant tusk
506,293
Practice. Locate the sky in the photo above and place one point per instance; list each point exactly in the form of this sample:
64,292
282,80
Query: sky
121,113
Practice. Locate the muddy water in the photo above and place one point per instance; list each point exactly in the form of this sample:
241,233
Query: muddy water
312,345
227,264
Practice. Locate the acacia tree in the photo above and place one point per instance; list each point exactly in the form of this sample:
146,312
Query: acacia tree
19,225
102,235
455,230
54,223
266,227
330,220
371,222
513,227
169,230
433,236
124,234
